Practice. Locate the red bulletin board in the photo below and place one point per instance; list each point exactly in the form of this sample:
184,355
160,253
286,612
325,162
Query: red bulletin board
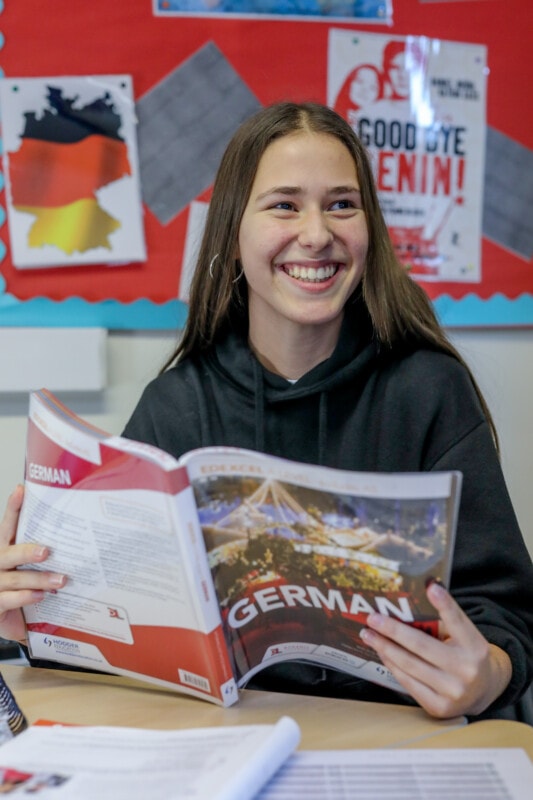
277,59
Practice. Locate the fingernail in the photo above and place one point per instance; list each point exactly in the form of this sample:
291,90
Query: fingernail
57,580
432,579
437,588
41,552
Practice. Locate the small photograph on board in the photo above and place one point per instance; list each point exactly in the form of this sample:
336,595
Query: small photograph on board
71,167
363,10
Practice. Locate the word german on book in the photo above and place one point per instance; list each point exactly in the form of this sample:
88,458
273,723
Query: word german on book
196,574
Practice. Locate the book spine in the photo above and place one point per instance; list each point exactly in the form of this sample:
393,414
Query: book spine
12,719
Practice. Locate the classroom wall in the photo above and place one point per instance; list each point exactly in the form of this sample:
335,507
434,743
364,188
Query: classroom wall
502,361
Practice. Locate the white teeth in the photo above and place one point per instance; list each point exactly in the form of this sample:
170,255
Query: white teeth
312,273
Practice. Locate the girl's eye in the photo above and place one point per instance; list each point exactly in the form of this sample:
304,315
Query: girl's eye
284,205
340,205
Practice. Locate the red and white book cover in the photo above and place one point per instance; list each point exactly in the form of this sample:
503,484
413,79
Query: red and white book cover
199,573
120,521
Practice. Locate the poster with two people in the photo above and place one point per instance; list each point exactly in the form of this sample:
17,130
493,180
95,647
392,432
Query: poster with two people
418,105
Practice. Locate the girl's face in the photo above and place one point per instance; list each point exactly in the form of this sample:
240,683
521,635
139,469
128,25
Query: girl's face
364,88
399,76
303,237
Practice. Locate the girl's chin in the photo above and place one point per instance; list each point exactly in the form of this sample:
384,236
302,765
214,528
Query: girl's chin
315,316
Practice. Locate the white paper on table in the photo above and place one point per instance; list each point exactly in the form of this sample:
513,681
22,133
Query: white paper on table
461,774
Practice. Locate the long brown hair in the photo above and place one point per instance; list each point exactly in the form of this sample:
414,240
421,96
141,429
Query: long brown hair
399,308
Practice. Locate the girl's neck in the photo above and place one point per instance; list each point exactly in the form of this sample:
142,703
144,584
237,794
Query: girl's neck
294,350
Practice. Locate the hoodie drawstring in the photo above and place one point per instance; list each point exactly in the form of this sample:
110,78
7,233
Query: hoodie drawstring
322,427
259,395
199,390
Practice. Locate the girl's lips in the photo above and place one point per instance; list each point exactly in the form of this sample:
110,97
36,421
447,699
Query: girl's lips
311,274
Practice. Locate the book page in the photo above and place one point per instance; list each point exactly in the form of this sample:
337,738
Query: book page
110,763
498,774
300,555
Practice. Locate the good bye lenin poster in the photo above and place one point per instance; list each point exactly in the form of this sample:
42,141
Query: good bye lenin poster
418,105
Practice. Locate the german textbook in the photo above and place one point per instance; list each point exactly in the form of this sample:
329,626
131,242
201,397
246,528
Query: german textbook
196,574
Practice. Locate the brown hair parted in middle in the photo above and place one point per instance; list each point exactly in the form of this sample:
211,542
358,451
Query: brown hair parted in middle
399,308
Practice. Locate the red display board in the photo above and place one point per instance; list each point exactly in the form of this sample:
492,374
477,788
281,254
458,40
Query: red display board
276,59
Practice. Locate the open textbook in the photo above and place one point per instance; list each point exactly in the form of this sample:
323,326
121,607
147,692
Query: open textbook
112,763
197,574
246,762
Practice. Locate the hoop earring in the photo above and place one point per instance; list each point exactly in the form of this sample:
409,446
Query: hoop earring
239,276
211,263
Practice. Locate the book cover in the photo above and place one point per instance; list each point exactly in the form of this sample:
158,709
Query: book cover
300,555
198,573
120,521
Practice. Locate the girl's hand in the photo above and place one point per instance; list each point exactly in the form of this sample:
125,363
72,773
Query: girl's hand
458,673
20,587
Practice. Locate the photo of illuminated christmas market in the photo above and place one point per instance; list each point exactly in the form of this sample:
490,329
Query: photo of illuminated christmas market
293,558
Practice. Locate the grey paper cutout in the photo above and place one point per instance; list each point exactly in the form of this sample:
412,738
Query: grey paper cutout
508,194
184,125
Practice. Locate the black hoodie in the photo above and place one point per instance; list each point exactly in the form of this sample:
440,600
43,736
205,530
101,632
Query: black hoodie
408,409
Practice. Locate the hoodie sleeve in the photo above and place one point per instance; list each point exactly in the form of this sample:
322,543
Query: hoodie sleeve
492,577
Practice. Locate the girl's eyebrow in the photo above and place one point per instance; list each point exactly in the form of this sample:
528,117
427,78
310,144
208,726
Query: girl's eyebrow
345,190
292,190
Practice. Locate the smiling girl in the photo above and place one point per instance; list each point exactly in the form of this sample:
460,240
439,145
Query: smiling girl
307,339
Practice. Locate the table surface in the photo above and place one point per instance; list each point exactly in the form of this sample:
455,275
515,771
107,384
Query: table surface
88,699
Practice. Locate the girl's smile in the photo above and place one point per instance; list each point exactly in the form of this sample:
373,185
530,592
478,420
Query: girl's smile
311,273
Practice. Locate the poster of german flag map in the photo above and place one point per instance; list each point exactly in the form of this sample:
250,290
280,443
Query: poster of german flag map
70,164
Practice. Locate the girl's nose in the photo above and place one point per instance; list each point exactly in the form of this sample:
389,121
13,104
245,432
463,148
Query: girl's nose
315,232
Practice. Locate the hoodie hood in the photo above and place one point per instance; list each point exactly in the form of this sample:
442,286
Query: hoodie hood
356,347
355,353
